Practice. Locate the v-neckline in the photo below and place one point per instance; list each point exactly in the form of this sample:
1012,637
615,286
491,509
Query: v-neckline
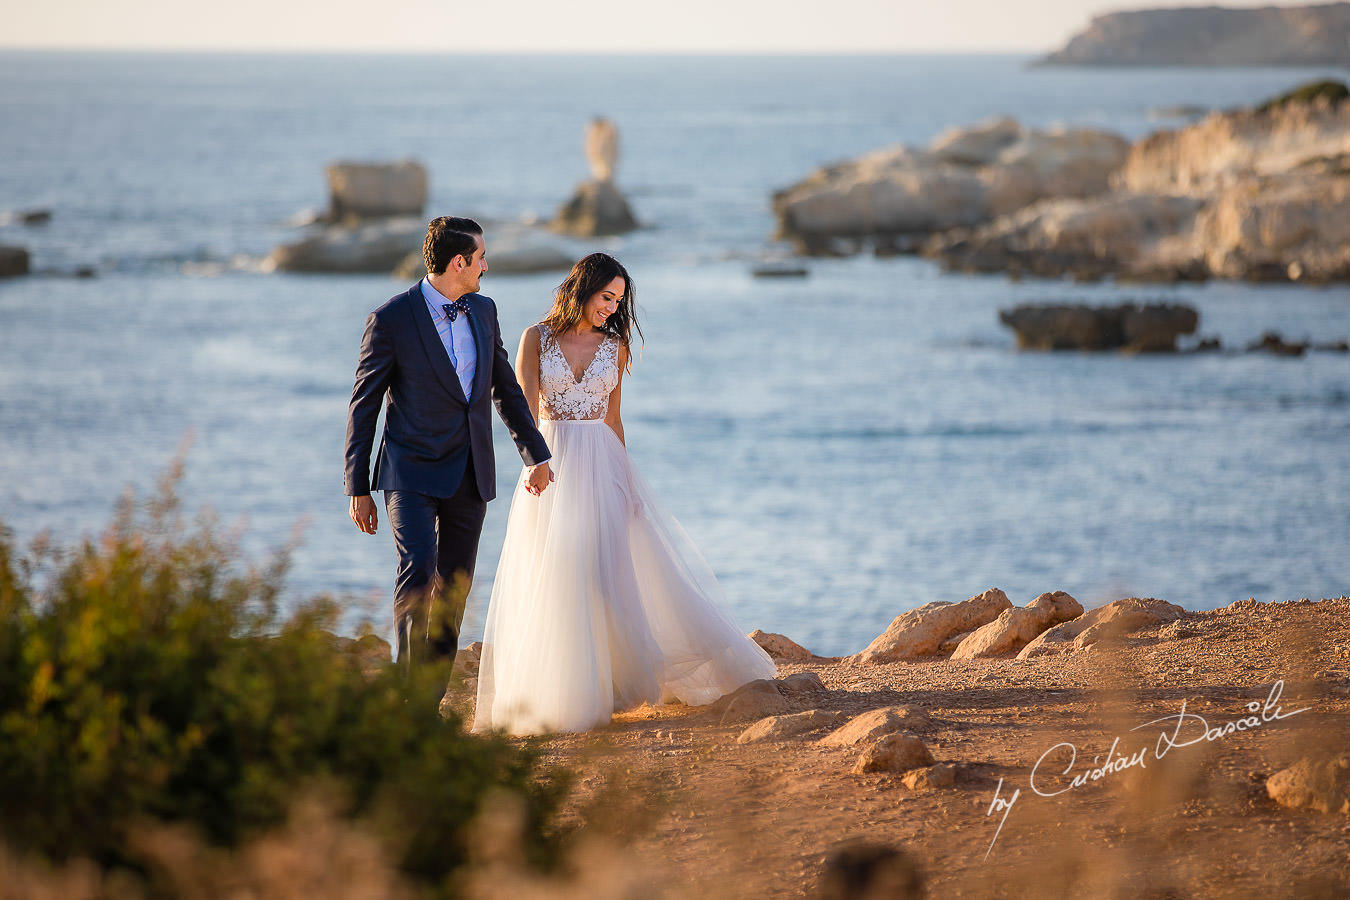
586,371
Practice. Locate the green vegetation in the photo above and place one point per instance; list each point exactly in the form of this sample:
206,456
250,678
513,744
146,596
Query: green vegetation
148,677
1333,92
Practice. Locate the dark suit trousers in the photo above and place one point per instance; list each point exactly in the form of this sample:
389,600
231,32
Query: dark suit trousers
437,541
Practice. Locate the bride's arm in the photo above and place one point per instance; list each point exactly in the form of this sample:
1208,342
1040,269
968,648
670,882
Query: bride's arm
527,368
612,417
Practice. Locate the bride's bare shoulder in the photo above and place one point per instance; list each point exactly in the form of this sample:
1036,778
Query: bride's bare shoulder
530,338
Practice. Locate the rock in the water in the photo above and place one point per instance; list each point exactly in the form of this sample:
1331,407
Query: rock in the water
1103,623
13,261
1323,786
895,752
780,270
778,646
1151,328
895,196
857,870
1016,627
602,148
596,208
920,632
1272,343
32,216
777,728
361,190
511,251
373,247
755,700
940,775
869,726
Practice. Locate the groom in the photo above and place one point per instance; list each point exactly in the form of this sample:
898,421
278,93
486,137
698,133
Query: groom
435,351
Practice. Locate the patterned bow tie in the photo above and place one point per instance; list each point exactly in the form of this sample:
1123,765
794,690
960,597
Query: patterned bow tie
453,309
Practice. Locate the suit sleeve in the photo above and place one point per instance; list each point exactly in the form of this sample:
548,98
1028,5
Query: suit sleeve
511,404
374,368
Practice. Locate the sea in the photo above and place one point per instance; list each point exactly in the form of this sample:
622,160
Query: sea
842,447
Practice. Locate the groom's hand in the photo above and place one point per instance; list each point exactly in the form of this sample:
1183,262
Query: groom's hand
363,513
539,478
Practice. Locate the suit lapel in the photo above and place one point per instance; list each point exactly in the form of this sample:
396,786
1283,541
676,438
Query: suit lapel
431,342
482,342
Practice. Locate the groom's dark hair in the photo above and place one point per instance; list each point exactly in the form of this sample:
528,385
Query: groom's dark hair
448,237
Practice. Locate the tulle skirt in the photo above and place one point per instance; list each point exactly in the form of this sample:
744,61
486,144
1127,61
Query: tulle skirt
601,601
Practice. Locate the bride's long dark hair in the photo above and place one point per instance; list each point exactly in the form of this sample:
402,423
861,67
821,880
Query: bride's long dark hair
588,278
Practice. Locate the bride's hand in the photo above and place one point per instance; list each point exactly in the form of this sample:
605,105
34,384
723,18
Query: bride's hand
539,478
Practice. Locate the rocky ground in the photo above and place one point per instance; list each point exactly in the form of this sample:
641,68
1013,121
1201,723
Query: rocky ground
723,800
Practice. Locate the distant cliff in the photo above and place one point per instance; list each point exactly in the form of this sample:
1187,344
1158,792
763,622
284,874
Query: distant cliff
1213,36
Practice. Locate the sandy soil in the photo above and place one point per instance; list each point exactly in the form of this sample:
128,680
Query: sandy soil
701,815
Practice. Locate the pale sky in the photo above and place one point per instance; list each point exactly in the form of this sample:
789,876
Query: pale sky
560,26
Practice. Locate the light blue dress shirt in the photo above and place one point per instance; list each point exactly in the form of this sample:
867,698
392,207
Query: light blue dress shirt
457,336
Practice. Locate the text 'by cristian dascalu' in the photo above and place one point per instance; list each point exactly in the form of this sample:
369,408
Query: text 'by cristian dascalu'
1187,728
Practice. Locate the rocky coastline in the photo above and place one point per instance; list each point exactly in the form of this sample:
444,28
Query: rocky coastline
1254,194
1310,35
896,754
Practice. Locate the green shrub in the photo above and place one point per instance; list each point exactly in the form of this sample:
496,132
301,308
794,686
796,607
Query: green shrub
148,675
1334,92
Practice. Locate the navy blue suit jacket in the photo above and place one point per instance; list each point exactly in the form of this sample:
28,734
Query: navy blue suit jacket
429,426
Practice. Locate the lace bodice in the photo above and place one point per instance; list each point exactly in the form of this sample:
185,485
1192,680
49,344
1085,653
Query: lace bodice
561,395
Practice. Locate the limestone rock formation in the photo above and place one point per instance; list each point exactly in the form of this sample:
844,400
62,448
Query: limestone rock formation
920,632
869,726
779,646
1322,785
1103,623
597,207
930,777
895,197
14,261
777,728
1213,36
1016,627
369,190
371,247
1152,328
895,752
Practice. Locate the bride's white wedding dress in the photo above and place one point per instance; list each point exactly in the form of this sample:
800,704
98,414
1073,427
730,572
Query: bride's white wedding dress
601,601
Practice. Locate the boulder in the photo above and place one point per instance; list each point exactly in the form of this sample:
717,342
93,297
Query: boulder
777,728
595,209
1151,328
511,251
976,145
372,247
932,777
14,261
754,700
1103,623
799,684
869,726
778,646
895,752
1272,343
1323,785
1016,627
467,659
920,632
369,190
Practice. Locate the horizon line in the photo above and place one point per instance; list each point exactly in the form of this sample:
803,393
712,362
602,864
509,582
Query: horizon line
393,51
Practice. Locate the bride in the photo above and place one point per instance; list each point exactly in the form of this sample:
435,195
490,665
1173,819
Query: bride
600,602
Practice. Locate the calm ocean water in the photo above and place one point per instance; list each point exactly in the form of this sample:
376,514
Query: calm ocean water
843,448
